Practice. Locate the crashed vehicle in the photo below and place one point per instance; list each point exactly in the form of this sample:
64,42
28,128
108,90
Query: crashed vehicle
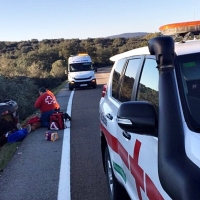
9,118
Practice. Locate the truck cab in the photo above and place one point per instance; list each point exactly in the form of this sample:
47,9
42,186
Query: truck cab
81,72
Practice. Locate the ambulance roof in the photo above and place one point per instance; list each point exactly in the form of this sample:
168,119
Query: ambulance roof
181,48
79,59
189,47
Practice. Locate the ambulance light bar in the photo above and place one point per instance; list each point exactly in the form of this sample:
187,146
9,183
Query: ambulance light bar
181,28
82,54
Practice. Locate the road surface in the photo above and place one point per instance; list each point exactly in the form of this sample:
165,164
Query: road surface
34,173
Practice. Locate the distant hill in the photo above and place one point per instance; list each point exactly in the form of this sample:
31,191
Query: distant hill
128,35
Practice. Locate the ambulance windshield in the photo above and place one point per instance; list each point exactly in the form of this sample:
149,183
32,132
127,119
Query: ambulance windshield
76,67
190,72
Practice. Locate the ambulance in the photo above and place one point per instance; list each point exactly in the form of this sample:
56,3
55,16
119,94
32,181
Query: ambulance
81,72
150,118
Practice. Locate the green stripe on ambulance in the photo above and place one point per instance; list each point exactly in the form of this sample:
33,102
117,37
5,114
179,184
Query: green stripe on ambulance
120,171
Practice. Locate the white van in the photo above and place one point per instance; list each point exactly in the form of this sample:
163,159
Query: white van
81,72
150,119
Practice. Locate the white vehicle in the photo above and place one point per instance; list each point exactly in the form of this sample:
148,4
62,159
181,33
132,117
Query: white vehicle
81,72
150,119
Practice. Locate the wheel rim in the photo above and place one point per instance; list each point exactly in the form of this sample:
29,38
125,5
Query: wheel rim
110,176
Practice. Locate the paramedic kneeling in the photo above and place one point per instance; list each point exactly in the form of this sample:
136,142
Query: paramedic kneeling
47,104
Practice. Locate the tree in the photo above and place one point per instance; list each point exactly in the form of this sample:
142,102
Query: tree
7,67
58,68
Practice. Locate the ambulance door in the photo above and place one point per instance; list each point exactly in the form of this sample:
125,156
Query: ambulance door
108,114
146,147
141,166
126,143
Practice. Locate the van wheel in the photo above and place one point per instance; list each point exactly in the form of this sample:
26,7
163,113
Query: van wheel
116,191
70,87
94,86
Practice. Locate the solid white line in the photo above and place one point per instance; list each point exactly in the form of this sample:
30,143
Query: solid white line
64,180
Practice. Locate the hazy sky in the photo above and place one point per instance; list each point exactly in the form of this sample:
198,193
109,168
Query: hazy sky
53,19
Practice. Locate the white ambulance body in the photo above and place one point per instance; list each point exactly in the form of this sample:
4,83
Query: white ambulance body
81,72
150,121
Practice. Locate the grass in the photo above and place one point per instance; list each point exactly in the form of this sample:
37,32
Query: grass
8,150
56,90
6,153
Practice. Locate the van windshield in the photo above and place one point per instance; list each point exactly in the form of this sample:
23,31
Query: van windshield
190,75
87,66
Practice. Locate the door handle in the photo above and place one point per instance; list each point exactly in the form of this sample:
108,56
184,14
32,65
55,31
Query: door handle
126,135
109,116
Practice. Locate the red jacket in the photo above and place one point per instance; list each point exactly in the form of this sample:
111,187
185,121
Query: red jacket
46,102
57,106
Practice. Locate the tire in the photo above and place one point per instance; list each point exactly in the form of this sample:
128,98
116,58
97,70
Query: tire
116,191
94,86
70,87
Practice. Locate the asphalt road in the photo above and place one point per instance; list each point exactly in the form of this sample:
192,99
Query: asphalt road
33,173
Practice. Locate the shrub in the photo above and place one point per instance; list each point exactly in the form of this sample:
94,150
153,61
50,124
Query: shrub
58,68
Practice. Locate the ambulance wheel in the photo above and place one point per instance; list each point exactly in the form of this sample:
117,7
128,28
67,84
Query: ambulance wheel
116,191
70,87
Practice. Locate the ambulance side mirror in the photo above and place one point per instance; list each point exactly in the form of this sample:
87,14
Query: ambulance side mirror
138,117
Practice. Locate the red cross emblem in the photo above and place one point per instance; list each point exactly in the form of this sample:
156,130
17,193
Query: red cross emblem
49,100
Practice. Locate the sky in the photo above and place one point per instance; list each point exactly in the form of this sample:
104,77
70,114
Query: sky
22,20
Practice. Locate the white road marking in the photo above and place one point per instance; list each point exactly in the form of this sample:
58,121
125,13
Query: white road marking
64,180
